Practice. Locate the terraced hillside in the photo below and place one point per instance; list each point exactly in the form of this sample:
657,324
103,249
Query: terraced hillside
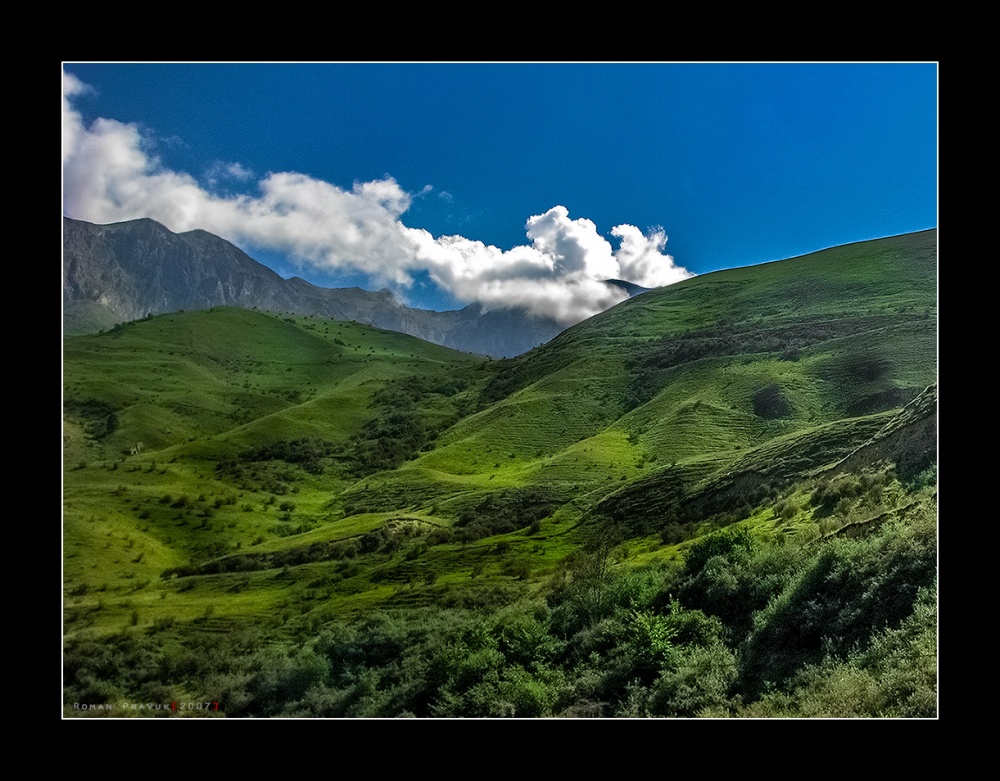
303,483
685,382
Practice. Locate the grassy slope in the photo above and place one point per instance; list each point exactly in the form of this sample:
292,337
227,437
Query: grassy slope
602,419
193,389
863,315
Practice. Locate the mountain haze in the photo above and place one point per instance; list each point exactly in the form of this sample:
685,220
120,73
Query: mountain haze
125,271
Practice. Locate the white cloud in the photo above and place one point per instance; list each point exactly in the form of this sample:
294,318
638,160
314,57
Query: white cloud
224,171
560,274
72,129
109,176
641,259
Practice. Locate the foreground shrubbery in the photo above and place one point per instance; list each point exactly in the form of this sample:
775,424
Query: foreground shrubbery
745,627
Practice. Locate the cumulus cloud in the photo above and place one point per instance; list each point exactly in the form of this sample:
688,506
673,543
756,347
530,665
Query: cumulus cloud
72,129
110,174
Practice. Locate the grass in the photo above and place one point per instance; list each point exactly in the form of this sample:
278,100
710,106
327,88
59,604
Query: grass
722,399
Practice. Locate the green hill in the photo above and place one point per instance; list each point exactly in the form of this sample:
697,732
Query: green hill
633,519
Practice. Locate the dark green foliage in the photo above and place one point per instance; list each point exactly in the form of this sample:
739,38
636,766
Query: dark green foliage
894,677
846,628
731,582
771,403
786,509
918,479
516,568
273,477
124,666
844,489
100,418
851,590
724,544
412,412
439,537
700,679
507,376
827,493
311,453
505,511
334,550
674,533
388,441
593,586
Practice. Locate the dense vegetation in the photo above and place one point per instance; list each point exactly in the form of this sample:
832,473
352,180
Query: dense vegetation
745,626
714,500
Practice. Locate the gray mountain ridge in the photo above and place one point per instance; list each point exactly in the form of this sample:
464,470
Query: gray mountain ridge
125,271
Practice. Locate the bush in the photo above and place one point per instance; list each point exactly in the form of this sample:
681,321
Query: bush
502,512
675,532
850,590
732,587
829,493
785,510
721,543
700,679
517,568
439,536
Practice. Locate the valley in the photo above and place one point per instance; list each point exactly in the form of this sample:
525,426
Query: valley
716,499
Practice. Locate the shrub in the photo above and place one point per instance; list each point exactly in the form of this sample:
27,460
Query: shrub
828,493
734,586
439,537
851,590
675,532
721,543
517,568
785,510
506,511
699,679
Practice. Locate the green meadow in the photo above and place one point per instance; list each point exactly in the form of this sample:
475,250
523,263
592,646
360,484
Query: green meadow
717,499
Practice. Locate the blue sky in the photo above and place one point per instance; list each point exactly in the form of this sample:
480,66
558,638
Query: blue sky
506,183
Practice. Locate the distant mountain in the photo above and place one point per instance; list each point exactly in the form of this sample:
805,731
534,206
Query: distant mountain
125,271
629,287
